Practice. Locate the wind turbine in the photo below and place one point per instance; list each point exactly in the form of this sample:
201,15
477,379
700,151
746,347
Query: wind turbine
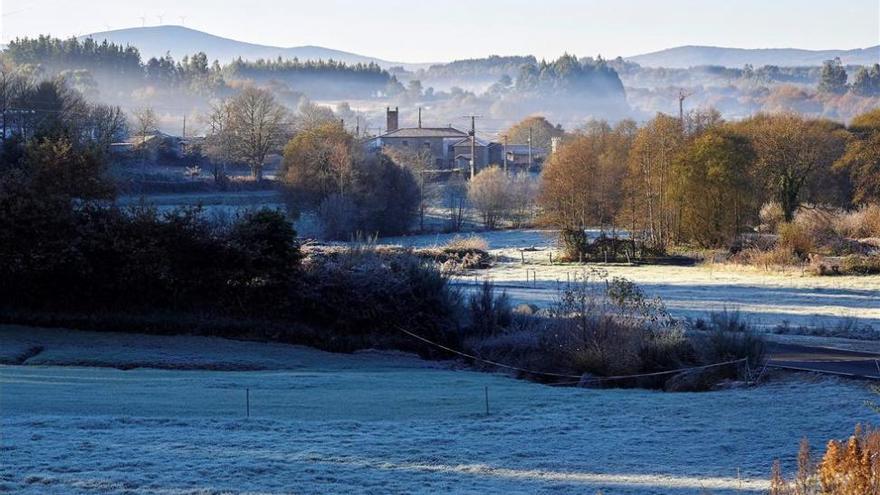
143,19
161,17
183,20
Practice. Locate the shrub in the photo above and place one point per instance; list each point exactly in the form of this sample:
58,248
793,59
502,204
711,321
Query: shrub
771,216
851,467
817,223
105,258
471,242
489,314
337,215
363,297
611,328
796,239
861,223
860,265
574,244
387,197
323,169
728,337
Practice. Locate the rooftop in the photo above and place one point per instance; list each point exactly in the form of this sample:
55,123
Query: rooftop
425,132
467,141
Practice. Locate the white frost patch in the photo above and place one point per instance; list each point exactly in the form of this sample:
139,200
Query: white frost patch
379,423
767,299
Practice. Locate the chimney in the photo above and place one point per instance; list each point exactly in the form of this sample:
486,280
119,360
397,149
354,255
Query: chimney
391,119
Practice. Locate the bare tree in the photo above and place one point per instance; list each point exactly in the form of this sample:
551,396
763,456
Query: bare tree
144,123
106,124
489,193
455,193
419,163
257,127
218,142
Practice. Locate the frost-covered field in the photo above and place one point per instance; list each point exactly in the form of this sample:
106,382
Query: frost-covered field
766,299
375,423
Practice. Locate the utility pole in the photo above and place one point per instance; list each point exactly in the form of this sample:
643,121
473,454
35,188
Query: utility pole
473,134
530,149
357,127
184,127
682,95
420,117
504,153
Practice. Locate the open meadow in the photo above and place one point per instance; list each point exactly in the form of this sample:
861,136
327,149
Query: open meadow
121,413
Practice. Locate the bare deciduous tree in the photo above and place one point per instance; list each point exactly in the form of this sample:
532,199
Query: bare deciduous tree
419,163
489,194
257,127
144,123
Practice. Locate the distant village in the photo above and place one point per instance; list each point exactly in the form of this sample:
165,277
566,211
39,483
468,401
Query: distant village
447,148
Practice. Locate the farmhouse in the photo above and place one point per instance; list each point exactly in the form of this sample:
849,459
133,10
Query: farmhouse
450,148
438,142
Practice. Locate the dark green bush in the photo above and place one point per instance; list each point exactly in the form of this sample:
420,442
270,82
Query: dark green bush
363,298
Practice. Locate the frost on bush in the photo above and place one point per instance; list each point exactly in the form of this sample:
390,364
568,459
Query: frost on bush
609,327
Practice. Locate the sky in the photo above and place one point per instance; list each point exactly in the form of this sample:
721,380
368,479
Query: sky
422,31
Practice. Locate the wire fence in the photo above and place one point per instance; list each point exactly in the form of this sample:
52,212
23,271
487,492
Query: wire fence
580,378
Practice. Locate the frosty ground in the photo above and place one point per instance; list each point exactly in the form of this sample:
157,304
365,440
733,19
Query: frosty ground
766,299
373,423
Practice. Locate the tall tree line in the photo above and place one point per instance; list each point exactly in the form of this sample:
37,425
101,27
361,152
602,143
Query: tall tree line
700,180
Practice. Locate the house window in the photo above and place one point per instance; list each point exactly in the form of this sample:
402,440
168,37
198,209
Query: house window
427,144
405,142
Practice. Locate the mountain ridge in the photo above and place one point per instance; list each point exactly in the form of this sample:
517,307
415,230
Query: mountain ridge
156,41
682,57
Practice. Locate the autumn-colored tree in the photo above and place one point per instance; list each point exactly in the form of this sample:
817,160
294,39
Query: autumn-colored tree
791,151
318,162
712,184
567,198
581,181
650,208
542,132
862,158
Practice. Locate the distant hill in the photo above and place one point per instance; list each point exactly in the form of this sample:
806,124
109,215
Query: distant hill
691,56
179,41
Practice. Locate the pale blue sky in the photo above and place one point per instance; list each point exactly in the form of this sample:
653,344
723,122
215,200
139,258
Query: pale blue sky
423,31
